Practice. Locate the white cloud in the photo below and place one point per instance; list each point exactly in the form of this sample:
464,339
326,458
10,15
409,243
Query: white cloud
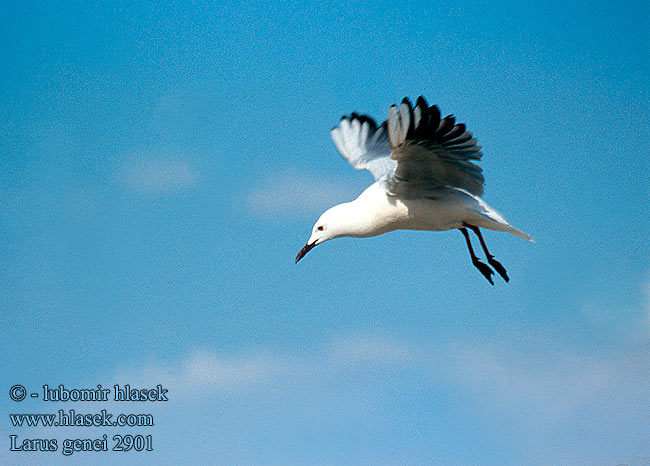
208,371
298,194
205,371
179,117
538,377
627,321
537,391
161,166
646,295
152,176
368,350
541,378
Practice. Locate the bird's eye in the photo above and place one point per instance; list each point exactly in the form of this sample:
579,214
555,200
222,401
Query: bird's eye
320,228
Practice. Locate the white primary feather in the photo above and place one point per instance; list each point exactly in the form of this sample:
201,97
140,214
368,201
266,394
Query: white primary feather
364,145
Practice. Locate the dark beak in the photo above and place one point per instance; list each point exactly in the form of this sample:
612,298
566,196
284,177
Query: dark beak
308,247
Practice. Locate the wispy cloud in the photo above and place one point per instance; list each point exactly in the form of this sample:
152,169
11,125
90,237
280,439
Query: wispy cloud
161,165
543,378
369,351
542,392
646,295
295,193
208,371
205,370
154,176
630,320
590,403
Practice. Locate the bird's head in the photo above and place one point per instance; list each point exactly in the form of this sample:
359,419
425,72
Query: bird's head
330,225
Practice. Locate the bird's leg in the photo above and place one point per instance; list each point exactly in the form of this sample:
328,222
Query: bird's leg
482,267
490,258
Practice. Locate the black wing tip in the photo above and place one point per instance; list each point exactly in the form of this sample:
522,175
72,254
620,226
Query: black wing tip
420,101
433,126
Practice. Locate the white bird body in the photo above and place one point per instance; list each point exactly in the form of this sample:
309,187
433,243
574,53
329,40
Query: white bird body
376,212
425,179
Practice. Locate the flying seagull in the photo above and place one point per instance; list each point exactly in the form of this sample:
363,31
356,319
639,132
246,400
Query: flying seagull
425,179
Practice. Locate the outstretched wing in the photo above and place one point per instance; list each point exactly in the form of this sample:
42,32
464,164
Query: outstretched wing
365,145
431,152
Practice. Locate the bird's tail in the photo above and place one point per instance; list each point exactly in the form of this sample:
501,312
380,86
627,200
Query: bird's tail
517,232
493,220
487,217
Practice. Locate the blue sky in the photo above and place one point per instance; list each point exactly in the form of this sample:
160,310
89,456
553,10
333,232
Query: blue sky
163,164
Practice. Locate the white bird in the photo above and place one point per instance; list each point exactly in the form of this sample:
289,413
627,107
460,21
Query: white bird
425,179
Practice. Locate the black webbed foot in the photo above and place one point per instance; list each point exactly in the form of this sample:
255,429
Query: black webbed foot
484,269
498,267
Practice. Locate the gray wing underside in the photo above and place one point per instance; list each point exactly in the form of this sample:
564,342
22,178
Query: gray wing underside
415,152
